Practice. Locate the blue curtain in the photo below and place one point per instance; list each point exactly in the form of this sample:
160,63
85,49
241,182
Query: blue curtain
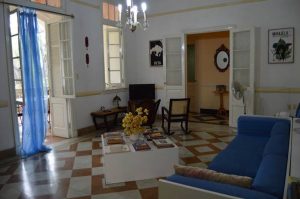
35,99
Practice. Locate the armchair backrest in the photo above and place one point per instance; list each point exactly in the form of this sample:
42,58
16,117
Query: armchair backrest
151,105
179,106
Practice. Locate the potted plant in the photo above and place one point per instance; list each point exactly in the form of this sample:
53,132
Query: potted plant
132,123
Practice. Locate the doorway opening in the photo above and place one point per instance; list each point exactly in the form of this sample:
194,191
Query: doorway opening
207,85
44,19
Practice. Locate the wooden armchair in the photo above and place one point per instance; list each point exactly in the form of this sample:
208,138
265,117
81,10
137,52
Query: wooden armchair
149,104
178,112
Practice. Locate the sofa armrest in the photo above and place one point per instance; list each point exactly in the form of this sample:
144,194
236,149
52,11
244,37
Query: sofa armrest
180,191
257,125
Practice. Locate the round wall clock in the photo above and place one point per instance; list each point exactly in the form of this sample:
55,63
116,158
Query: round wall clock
222,58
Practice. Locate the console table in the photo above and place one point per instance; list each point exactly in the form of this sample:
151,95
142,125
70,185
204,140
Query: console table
106,113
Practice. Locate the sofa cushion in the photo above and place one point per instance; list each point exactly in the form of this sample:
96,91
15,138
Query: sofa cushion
277,145
270,177
248,143
238,162
247,150
220,187
211,175
281,128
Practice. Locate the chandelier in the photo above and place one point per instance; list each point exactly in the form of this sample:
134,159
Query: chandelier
131,14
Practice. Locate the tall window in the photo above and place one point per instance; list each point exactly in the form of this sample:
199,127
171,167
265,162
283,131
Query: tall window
54,3
113,57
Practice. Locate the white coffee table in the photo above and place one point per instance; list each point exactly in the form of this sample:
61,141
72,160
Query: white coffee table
138,165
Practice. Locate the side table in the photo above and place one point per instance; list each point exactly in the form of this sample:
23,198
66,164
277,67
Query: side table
221,110
105,113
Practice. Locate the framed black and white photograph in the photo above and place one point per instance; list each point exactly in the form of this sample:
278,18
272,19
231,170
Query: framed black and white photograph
156,53
281,46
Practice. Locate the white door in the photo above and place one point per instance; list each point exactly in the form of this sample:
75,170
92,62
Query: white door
242,59
174,68
61,78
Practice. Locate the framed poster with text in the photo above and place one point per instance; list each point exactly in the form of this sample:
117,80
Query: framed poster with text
281,46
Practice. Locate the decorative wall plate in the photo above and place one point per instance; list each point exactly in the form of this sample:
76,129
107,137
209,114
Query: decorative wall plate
222,58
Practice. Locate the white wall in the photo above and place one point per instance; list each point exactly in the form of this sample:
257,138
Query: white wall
88,22
262,15
6,128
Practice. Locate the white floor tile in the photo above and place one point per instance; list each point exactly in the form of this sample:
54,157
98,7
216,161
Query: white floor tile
194,142
68,154
97,171
143,184
207,158
82,162
38,190
134,194
84,146
10,191
203,149
79,186
220,145
184,152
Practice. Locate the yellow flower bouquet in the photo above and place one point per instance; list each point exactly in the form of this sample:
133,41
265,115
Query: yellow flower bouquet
132,122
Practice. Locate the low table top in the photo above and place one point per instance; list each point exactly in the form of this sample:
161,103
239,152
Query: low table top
111,111
129,146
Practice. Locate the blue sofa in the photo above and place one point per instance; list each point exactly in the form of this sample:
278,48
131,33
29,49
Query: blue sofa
260,150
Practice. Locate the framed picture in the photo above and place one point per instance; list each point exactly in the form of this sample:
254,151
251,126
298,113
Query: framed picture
156,53
281,46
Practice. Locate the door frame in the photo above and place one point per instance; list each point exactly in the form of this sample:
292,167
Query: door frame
10,71
183,67
202,31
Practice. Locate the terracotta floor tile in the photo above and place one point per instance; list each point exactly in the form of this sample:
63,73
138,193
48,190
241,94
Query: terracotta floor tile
81,172
189,160
149,193
82,153
96,145
96,184
96,161
73,147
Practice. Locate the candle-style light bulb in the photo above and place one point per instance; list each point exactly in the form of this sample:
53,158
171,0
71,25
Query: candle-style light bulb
128,3
120,7
144,6
135,11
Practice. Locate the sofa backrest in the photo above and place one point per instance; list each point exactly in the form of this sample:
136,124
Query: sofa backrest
259,126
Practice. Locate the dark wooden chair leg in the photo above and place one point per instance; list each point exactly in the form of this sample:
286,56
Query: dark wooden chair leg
187,127
169,127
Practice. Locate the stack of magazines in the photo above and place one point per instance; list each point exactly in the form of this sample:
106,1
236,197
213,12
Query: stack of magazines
113,138
162,143
141,145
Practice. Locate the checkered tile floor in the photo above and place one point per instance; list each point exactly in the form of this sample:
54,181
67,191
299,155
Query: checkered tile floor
75,170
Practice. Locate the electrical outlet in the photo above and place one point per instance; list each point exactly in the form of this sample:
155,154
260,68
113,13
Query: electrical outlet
289,107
